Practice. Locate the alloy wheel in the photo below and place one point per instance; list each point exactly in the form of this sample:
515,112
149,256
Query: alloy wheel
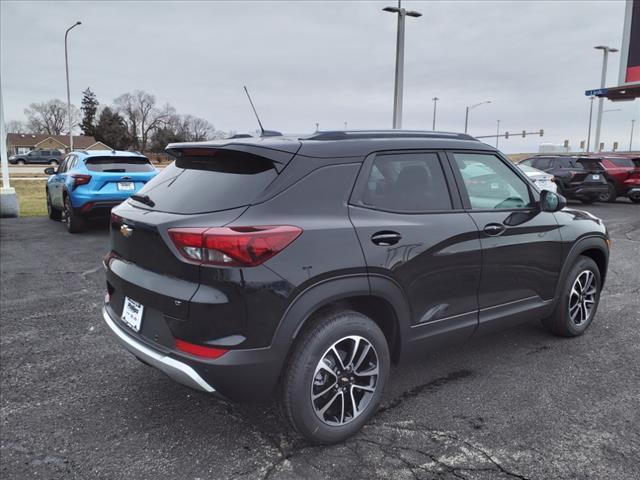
582,298
345,380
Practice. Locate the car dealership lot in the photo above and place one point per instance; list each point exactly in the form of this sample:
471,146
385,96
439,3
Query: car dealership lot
517,404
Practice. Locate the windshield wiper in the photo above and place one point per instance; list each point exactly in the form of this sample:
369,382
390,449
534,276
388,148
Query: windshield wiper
143,199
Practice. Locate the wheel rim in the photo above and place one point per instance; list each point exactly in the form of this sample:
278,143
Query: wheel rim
67,212
345,380
582,298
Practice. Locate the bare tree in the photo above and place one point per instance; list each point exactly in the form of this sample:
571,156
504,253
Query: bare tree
142,116
16,126
198,129
50,117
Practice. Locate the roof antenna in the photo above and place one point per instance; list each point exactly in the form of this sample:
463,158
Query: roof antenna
263,132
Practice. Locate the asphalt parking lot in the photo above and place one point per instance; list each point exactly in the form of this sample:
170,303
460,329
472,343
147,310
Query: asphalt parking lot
517,404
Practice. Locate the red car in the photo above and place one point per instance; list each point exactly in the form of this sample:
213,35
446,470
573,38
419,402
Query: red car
632,184
623,177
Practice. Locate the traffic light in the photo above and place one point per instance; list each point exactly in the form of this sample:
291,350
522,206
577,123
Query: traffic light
506,134
582,142
566,144
615,146
541,132
524,133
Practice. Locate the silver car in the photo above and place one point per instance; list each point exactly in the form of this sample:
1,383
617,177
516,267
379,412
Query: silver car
542,180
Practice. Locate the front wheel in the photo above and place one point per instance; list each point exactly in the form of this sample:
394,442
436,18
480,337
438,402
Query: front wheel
20,162
335,377
578,300
52,212
72,220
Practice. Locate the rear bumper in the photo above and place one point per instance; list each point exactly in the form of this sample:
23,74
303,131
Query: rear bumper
178,371
587,190
241,375
100,208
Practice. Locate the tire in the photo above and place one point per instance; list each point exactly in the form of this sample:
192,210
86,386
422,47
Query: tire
566,320
303,377
588,200
54,213
20,162
53,163
611,194
73,221
635,199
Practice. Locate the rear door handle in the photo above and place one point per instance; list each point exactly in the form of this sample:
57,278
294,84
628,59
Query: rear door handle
494,229
386,238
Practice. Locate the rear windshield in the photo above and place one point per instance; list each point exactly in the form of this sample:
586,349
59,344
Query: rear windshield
119,164
621,162
208,184
588,164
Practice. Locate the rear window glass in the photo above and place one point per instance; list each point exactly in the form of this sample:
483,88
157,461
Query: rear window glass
622,162
588,164
208,184
119,164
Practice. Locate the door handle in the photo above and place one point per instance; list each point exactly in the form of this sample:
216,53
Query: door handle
494,229
386,238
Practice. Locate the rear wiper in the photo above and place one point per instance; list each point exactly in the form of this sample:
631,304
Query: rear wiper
143,199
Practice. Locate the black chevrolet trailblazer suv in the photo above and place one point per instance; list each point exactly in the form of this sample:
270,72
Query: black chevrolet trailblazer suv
312,264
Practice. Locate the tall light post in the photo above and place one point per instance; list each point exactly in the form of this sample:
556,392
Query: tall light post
603,80
66,66
497,133
631,137
435,102
397,92
466,116
591,98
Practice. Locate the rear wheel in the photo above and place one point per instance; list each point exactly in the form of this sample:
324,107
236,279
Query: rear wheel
335,377
73,221
578,300
635,199
610,195
20,162
54,213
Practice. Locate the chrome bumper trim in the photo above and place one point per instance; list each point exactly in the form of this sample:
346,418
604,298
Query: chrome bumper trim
178,371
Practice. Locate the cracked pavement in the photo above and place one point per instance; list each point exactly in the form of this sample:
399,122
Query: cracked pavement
515,404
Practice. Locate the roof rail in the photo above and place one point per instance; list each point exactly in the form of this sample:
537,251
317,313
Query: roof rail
363,134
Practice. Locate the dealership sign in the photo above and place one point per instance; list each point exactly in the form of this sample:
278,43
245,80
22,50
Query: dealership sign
630,60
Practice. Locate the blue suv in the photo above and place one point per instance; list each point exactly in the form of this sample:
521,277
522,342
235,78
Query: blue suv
89,183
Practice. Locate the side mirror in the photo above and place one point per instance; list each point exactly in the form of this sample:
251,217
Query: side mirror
50,171
551,202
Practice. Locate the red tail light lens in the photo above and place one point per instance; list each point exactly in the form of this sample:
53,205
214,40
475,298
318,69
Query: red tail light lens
80,179
199,350
233,246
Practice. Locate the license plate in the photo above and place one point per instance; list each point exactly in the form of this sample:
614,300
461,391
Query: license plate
132,313
595,177
123,186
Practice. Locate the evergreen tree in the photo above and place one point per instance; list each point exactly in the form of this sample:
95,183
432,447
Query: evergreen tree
112,130
89,110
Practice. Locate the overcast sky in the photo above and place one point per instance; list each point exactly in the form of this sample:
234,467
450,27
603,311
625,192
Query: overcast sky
328,62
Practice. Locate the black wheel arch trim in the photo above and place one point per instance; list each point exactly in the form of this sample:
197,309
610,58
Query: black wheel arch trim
334,289
590,242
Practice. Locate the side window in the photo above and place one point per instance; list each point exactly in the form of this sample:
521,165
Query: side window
528,162
65,164
565,163
490,183
404,182
542,163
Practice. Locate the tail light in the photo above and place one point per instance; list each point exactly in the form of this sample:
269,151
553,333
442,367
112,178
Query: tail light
233,246
199,350
80,179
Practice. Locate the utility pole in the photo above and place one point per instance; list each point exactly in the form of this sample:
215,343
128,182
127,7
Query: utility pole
66,66
631,137
591,98
497,133
435,102
468,109
399,81
603,80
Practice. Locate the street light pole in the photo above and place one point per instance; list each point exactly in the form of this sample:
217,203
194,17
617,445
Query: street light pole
497,133
399,77
468,109
66,66
603,80
591,98
435,101
631,137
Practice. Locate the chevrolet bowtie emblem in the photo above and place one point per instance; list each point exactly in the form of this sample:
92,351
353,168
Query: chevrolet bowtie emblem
126,230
